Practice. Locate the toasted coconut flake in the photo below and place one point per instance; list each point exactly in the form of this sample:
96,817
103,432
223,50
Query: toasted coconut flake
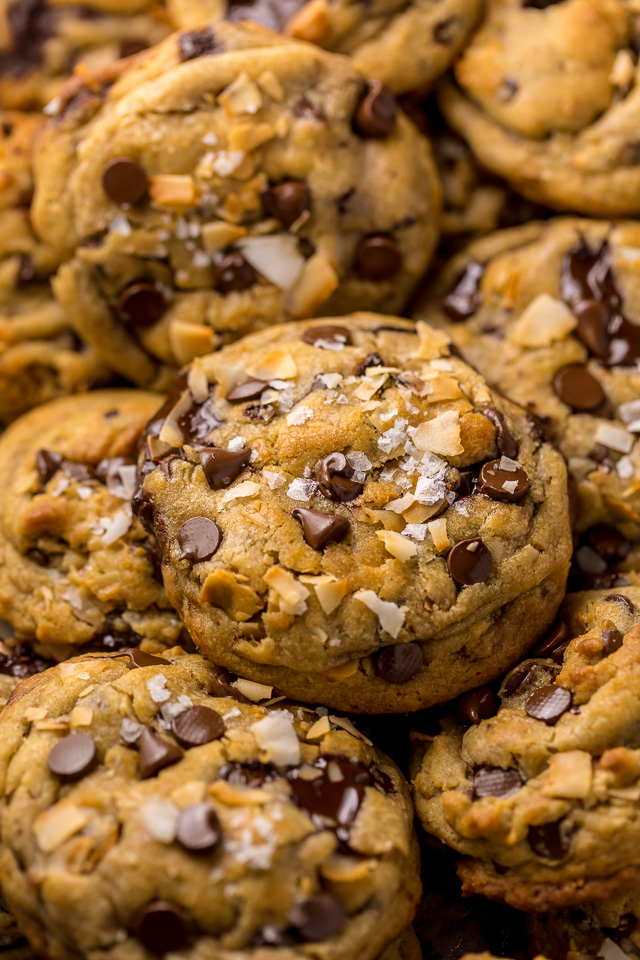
247,488
276,257
433,343
438,530
56,825
189,340
253,690
390,615
315,285
319,729
545,319
440,435
569,776
276,735
398,546
278,364
616,438
291,593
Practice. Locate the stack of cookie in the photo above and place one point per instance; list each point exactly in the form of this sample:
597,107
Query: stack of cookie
321,388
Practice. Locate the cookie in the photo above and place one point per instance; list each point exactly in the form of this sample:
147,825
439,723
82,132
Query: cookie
41,358
541,794
403,45
311,489
42,42
75,566
294,185
609,928
550,314
150,808
547,97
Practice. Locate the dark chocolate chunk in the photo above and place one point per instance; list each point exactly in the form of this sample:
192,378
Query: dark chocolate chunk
198,828
554,644
335,795
161,928
620,598
327,335
221,467
547,841
73,757
608,542
377,258
333,475
141,304
612,640
371,360
505,443
578,388
234,274
495,782
320,528
197,43
252,774
286,201
223,687
477,705
497,483
155,753
199,538
399,663
375,115
124,180
249,390
470,562
465,296
197,725
319,918
548,703
200,420
48,462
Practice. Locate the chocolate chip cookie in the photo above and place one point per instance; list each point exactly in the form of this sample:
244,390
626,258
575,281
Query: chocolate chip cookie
547,96
75,566
609,928
230,180
148,807
542,793
348,512
404,45
43,41
550,314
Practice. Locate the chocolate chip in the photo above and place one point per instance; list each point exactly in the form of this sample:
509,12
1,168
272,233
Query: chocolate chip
327,335
73,757
497,483
578,388
505,443
371,360
124,180
234,274
620,598
48,462
286,201
221,467
38,556
612,640
477,705
197,725
464,297
609,542
547,841
333,475
399,663
334,795
376,114
518,678
138,658
155,753
495,782
161,928
548,703
320,528
469,562
377,258
593,321
197,43
197,423
249,390
554,643
141,304
223,687
198,828
199,538
319,918
445,32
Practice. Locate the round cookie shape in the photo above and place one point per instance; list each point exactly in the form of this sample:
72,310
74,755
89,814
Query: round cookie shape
542,797
276,198
285,807
41,43
402,45
358,562
554,115
610,925
550,314
76,566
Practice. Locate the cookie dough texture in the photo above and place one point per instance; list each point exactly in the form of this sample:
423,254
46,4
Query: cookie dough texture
75,566
270,179
550,314
333,463
542,798
404,45
547,97
202,825
595,929
40,356
42,43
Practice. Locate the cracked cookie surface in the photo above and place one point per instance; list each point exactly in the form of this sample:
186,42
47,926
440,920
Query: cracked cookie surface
346,510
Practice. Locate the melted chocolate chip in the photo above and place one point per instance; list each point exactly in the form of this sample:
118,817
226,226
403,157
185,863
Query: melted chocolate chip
286,201
371,360
469,562
477,705
320,528
108,469
554,644
252,774
508,486
124,180
155,753
234,274
221,467
548,703
578,388
73,757
329,800
141,304
21,662
377,258
333,475
199,538
620,598
326,335
518,679
505,443
547,841
197,725
198,829
249,390
495,782
464,297
608,542
319,918
197,43
200,421
161,928
612,640
138,658
48,462
399,663
223,687
376,114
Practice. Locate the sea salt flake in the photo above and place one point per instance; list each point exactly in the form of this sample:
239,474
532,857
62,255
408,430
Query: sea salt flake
157,687
299,416
300,489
